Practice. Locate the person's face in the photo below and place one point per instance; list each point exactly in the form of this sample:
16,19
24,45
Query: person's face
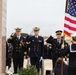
36,33
18,33
58,36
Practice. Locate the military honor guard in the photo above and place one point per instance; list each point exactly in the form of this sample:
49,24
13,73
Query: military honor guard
36,48
56,45
71,49
18,42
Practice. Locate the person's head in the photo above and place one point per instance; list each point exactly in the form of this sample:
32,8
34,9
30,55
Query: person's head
59,34
18,31
59,62
73,38
36,31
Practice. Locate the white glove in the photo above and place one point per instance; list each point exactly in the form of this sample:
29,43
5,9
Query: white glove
12,34
31,33
41,59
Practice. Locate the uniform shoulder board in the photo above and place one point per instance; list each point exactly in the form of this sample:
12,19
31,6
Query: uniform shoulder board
71,50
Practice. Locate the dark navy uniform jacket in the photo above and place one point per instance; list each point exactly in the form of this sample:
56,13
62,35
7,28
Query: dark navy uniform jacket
36,46
47,52
18,46
72,55
56,46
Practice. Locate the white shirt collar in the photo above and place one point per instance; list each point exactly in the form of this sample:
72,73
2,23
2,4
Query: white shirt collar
18,37
36,36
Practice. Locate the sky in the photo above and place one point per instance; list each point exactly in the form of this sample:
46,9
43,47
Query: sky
48,15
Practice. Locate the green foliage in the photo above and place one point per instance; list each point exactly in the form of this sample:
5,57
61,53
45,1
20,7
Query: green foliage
30,70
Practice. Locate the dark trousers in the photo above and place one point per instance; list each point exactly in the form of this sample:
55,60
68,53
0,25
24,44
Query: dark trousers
8,62
54,62
18,64
72,71
35,61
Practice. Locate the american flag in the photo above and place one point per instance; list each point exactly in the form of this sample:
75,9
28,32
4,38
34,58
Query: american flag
70,18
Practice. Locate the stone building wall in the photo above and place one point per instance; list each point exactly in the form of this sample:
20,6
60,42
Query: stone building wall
3,12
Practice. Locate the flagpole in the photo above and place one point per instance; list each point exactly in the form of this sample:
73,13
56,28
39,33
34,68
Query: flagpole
62,65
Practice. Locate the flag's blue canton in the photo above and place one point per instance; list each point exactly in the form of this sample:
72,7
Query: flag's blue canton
72,8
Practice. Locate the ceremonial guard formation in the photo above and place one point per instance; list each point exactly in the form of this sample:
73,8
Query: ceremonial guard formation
34,48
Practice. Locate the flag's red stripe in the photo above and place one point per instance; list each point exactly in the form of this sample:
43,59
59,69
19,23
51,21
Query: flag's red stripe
67,35
70,20
65,32
69,27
